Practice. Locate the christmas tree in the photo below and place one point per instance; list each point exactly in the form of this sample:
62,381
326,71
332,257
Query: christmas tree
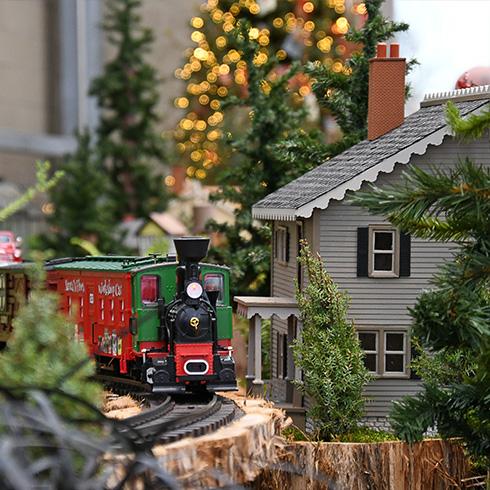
284,29
127,95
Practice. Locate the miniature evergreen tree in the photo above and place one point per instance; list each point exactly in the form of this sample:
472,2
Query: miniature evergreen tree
454,316
81,208
344,94
42,354
127,95
329,352
259,170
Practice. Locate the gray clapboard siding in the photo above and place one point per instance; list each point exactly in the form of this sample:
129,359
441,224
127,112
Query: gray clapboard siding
382,392
375,302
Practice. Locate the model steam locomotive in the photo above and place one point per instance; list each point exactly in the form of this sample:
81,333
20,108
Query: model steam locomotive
151,319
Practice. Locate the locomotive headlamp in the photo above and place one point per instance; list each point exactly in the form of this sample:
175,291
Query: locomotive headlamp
194,290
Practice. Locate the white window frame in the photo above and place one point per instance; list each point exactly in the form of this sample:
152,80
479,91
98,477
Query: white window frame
394,252
381,352
394,352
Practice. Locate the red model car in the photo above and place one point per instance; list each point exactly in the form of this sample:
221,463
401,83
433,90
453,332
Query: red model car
10,247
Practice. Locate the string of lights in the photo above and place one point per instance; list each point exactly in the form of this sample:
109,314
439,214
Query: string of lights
213,70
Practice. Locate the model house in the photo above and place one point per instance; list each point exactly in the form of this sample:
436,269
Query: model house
383,270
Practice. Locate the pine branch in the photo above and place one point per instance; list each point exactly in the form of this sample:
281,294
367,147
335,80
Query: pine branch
470,128
44,184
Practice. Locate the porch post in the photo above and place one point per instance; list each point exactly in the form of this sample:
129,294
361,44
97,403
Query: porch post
290,362
257,383
251,354
297,396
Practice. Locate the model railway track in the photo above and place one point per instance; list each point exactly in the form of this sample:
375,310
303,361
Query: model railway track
168,419
125,386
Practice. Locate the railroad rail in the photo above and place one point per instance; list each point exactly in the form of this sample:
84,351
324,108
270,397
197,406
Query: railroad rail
183,416
167,419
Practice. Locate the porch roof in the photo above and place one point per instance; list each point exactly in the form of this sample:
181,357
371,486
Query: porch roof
265,307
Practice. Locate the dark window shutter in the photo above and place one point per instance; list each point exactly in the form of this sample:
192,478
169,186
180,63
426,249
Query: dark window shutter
404,254
362,252
287,246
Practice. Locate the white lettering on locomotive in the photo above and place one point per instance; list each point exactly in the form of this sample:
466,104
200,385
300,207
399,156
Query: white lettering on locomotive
75,286
108,289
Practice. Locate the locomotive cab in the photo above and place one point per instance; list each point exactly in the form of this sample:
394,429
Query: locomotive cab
196,352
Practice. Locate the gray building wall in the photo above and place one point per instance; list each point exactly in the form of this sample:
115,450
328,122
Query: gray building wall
375,302
49,52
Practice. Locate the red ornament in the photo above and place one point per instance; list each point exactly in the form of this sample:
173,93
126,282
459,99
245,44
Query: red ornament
475,77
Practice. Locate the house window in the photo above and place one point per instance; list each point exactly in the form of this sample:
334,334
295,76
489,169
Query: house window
394,352
369,342
382,252
385,352
282,244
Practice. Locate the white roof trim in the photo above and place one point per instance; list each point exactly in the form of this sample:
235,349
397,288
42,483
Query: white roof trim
459,95
354,184
280,214
387,166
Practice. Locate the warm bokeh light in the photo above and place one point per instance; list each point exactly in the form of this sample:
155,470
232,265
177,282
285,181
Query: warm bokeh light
361,9
48,208
308,7
342,25
254,33
170,180
214,69
197,22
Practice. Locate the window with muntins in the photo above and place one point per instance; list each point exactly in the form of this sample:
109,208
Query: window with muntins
382,252
385,352
282,244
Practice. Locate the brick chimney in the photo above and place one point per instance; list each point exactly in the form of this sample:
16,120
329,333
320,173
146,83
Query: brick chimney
386,105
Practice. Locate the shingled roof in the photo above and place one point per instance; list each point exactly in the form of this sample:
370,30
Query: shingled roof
364,161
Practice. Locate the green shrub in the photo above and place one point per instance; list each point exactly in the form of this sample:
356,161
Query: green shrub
42,354
329,353
366,435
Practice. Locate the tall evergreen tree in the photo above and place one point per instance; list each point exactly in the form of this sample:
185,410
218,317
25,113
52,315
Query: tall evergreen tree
454,316
127,95
344,94
293,30
329,352
259,170
81,208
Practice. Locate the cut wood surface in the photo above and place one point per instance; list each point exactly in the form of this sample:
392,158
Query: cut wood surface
252,451
234,454
429,465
